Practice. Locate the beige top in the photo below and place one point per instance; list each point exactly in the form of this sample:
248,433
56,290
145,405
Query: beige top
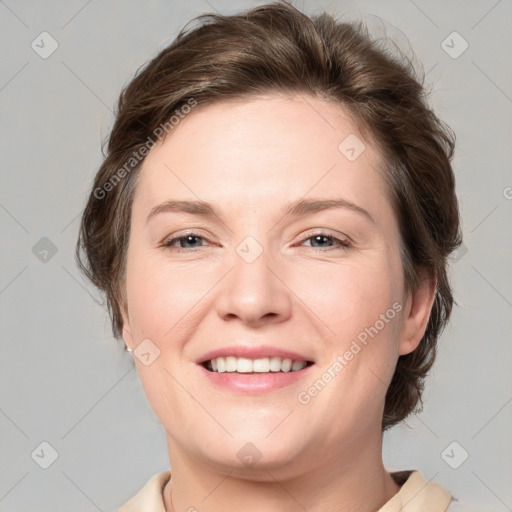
416,495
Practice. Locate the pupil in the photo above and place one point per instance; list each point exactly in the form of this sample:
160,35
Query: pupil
320,238
190,239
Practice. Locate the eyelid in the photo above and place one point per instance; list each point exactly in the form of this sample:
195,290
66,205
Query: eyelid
344,239
183,234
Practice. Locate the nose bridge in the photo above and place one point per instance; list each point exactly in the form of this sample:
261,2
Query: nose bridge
251,290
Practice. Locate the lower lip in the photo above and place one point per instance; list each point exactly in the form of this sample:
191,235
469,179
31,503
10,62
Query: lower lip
254,383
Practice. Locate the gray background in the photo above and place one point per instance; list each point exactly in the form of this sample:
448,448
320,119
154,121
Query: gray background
67,382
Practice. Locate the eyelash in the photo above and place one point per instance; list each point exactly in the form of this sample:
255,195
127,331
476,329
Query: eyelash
342,244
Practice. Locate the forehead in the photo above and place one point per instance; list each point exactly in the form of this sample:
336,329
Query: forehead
261,151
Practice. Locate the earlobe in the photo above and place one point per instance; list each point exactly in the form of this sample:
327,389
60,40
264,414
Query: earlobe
127,337
417,314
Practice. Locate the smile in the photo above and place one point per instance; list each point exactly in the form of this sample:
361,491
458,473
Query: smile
231,364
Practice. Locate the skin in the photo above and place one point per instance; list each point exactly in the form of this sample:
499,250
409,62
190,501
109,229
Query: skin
250,158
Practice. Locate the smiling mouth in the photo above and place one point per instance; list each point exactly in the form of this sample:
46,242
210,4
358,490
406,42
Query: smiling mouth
231,364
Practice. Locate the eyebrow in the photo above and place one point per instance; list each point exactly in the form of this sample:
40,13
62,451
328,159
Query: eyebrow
298,208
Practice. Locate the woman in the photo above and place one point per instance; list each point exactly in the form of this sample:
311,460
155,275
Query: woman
271,227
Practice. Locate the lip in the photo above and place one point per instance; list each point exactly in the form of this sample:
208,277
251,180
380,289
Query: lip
252,353
253,383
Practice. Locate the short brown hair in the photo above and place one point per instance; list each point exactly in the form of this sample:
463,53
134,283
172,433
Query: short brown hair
276,48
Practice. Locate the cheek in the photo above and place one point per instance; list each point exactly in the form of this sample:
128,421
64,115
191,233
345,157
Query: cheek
360,303
347,297
160,297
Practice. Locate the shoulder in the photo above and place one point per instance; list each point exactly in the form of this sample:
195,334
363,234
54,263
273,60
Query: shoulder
457,505
418,494
150,496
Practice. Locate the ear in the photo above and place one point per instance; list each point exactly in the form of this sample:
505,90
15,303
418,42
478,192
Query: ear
127,332
417,313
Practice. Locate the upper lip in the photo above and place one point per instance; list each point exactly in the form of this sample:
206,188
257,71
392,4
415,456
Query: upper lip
253,352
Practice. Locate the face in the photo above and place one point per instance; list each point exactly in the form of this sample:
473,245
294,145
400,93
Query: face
270,274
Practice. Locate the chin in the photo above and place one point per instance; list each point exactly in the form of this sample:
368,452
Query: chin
248,456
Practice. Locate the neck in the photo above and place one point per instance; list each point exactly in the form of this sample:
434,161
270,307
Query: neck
350,481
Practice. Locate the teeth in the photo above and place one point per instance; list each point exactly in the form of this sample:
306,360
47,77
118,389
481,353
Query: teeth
243,365
286,365
275,364
298,365
261,365
232,364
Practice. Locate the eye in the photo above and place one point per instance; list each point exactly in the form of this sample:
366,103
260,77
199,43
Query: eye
326,241
193,241
185,242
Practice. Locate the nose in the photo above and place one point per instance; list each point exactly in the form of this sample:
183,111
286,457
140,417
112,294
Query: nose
254,293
